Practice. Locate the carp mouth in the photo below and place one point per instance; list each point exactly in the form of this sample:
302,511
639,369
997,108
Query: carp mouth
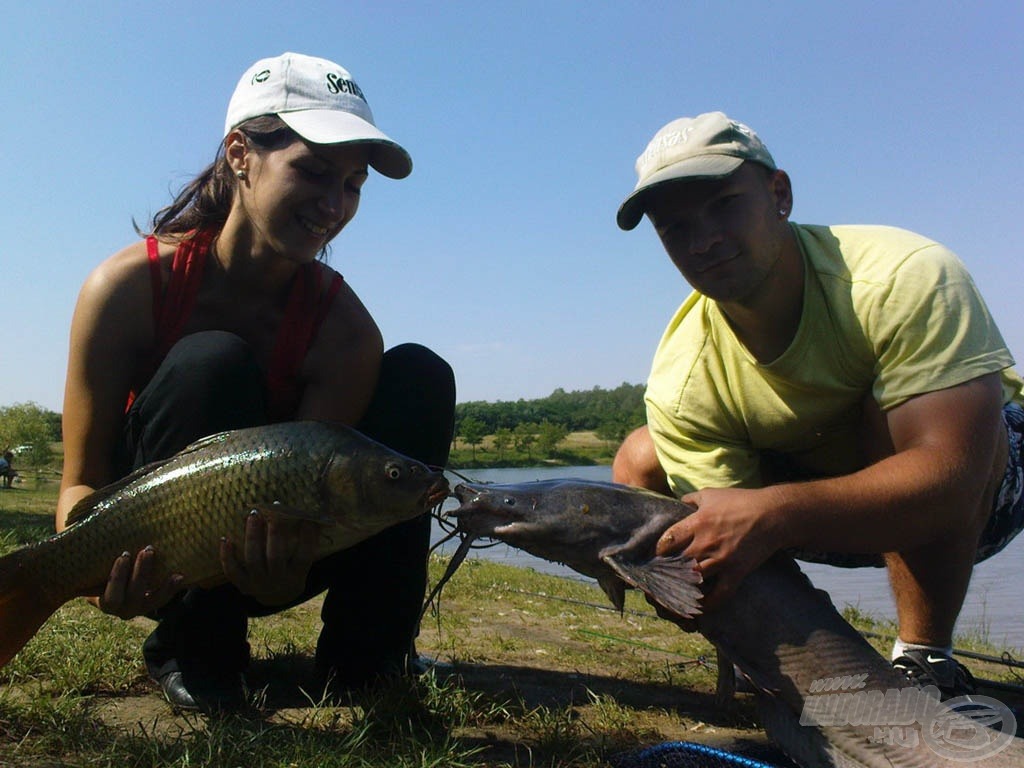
438,491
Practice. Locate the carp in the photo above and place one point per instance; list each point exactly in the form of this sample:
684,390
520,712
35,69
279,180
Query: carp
327,473
826,697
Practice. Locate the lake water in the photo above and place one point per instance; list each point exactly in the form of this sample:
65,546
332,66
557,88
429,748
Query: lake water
993,602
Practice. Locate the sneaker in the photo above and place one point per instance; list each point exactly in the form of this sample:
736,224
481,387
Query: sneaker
924,668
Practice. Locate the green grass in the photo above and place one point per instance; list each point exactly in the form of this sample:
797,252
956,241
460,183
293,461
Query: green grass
544,674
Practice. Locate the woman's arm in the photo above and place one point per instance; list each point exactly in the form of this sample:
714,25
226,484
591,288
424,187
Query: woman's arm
111,332
111,336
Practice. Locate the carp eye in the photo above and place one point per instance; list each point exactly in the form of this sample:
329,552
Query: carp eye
510,501
393,472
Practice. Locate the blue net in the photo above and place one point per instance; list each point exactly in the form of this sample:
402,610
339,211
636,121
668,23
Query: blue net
684,754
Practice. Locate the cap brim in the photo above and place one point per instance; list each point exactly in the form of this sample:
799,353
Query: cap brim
328,126
704,167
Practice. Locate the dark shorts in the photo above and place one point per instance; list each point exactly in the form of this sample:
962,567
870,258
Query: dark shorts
1007,517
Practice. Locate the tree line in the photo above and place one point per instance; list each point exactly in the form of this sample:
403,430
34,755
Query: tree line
526,426
610,413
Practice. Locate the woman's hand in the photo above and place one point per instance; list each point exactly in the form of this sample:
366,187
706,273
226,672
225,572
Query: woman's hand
272,564
132,589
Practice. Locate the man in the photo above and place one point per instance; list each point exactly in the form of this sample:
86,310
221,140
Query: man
839,390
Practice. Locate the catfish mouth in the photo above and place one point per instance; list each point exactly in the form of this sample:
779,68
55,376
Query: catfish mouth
481,512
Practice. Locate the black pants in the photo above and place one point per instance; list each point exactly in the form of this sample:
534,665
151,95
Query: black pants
210,382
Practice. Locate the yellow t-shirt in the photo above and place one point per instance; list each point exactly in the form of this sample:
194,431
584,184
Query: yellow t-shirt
887,313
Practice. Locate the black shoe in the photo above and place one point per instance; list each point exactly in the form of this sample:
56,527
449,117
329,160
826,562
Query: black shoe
924,668
203,695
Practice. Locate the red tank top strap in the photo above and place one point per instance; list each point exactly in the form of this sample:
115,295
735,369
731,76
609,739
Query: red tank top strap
156,278
308,305
186,279
171,308
325,305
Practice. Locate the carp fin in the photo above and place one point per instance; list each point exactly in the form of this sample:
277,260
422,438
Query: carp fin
85,506
281,512
24,606
672,582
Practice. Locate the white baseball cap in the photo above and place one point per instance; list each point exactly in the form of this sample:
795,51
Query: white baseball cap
703,147
320,101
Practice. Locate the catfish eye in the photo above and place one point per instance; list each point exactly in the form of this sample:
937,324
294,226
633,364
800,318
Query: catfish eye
509,501
393,472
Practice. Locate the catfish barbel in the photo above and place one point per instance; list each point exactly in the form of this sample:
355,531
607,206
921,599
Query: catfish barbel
327,473
827,698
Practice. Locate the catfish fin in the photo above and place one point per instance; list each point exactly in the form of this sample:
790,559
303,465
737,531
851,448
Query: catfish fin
615,589
672,582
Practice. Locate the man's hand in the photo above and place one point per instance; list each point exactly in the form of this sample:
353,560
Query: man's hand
132,589
272,564
729,535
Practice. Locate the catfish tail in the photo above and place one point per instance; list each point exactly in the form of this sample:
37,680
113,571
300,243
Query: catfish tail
24,605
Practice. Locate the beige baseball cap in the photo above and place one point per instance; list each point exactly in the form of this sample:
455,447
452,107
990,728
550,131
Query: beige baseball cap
320,101
707,146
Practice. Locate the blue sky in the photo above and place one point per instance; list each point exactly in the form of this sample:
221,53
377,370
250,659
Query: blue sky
501,250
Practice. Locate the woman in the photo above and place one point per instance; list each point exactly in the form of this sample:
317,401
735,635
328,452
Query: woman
223,318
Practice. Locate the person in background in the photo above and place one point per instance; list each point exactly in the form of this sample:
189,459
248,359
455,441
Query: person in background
840,392
7,469
222,317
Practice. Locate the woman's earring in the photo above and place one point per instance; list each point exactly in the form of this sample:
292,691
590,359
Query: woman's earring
242,175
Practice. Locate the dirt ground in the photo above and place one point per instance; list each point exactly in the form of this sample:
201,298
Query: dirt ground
529,669
507,649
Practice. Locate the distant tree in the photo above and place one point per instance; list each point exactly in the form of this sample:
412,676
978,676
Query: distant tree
502,441
614,429
525,436
56,427
549,435
29,425
472,432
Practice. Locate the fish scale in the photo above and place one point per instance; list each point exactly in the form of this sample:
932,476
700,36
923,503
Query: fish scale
328,473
